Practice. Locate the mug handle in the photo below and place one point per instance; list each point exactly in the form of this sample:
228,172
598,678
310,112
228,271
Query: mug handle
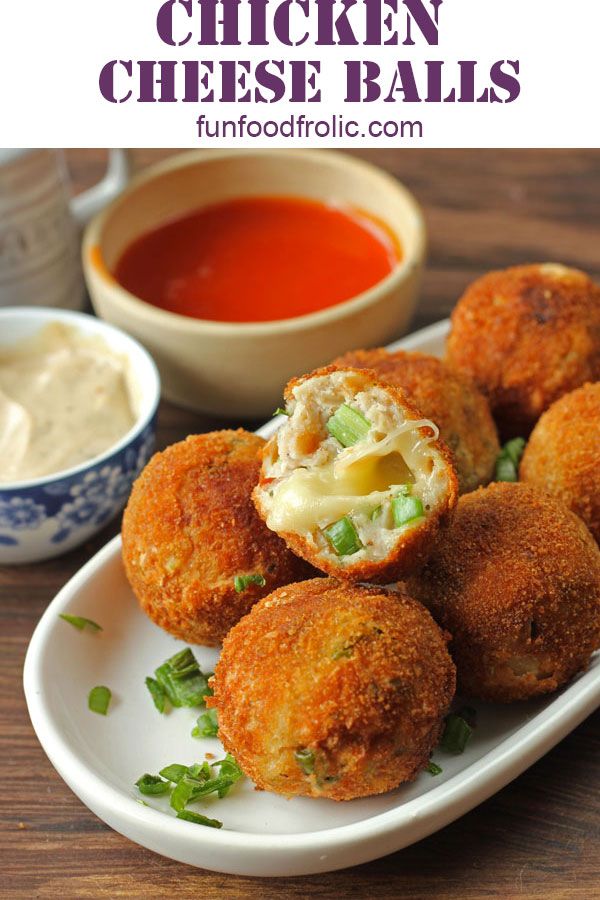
84,206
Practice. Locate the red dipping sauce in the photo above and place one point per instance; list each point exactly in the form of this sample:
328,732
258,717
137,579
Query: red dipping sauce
258,259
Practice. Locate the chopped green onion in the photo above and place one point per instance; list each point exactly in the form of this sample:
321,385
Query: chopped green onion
507,463
81,622
190,789
152,785
190,816
182,680
306,760
229,767
343,537
174,772
231,771
197,782
200,770
348,425
456,734
241,582
157,693
280,411
99,699
376,513
207,725
433,768
184,792
406,509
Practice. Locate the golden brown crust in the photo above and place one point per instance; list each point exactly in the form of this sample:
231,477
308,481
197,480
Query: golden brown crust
516,581
190,527
563,454
360,677
412,547
526,336
452,401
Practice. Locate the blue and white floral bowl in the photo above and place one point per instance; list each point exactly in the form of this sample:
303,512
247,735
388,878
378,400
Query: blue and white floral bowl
47,516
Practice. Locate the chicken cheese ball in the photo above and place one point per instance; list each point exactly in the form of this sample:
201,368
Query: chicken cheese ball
516,581
332,690
457,407
526,336
355,480
563,454
196,553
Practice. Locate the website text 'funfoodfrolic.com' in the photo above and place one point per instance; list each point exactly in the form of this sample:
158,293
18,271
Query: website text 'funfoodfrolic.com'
303,127
306,69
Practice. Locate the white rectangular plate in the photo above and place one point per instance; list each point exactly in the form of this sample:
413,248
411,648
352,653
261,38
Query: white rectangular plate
264,834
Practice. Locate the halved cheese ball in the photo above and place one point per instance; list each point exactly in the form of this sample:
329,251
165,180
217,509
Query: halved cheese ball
356,481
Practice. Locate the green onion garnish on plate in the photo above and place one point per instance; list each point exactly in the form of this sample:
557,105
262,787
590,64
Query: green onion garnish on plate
241,582
182,680
190,816
192,783
190,789
348,426
152,785
174,772
207,725
80,622
456,734
229,768
343,537
507,463
433,768
405,509
159,697
99,699
280,411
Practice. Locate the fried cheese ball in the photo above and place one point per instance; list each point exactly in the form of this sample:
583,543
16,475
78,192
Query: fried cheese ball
526,336
190,528
327,689
563,454
457,407
516,581
355,480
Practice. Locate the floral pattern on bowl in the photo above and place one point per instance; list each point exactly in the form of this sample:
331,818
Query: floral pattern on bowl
63,512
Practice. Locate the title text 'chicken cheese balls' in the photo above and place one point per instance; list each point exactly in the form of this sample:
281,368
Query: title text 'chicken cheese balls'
196,553
356,480
526,336
328,689
563,454
452,401
516,581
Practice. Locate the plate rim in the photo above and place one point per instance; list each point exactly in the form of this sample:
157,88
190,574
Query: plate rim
421,815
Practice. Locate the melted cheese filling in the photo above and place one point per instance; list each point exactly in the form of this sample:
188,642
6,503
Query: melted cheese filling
358,480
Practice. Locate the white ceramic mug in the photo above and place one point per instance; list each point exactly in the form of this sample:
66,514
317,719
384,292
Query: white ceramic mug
40,223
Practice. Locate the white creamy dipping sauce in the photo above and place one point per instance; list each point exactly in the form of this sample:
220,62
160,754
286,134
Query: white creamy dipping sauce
64,399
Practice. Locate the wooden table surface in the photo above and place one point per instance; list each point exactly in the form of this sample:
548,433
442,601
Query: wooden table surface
540,836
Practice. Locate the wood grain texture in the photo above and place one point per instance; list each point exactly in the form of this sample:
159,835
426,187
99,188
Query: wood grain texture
540,836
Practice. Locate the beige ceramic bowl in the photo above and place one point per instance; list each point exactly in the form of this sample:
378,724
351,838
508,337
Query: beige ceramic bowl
240,369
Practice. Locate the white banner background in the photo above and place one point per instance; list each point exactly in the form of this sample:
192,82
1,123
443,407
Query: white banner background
51,54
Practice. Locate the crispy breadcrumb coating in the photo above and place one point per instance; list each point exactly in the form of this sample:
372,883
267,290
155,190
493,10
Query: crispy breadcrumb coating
516,581
331,690
452,401
526,336
310,481
563,454
190,527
